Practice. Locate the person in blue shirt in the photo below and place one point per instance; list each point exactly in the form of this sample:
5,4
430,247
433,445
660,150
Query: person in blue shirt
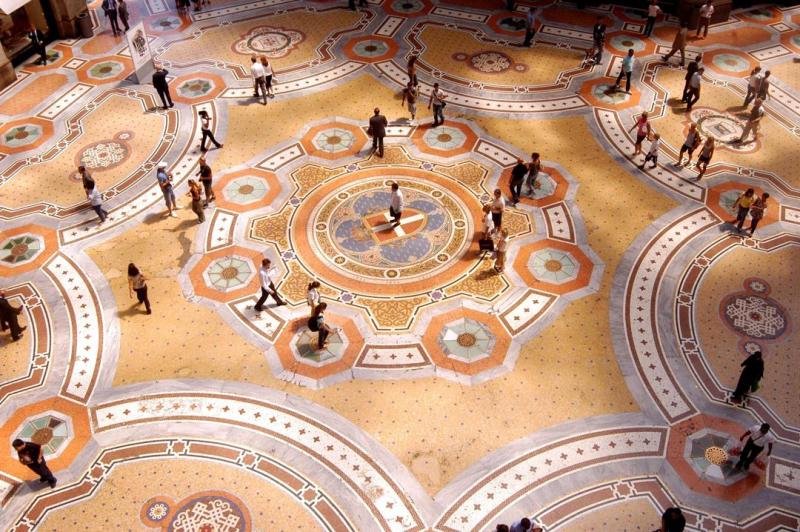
626,70
165,182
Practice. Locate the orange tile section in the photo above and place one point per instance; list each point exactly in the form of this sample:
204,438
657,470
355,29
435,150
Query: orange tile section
557,195
391,48
50,247
308,254
357,132
431,342
469,142
204,290
269,197
45,125
708,62
649,45
572,17
714,194
735,38
104,42
81,433
217,82
588,88
584,273
83,72
45,86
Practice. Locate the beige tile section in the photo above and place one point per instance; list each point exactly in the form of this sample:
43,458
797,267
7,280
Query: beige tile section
544,63
218,41
776,141
721,344
118,502
626,516
16,355
51,181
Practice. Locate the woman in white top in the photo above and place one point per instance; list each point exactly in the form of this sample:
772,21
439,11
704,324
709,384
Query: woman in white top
205,129
312,295
488,223
500,250
138,283
267,75
498,205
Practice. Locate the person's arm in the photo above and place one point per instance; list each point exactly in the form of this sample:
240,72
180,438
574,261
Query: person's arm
430,100
40,455
743,436
405,92
130,288
769,448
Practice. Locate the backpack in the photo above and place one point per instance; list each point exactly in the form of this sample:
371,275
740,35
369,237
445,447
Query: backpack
313,323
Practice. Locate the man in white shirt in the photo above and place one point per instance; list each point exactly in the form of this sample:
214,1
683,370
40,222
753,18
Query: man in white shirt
706,11
652,12
753,85
258,72
396,205
760,437
96,199
437,100
267,277
694,89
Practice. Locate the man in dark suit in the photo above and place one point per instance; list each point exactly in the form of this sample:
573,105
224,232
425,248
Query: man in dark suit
37,40
690,70
352,4
31,455
161,85
377,128
8,318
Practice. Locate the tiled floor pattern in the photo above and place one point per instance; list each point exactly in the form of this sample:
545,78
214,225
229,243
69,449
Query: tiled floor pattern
607,378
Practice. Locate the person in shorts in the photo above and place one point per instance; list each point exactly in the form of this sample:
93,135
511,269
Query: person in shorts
410,94
706,153
690,144
165,182
642,127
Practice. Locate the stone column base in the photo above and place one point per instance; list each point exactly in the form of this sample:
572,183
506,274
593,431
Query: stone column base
7,74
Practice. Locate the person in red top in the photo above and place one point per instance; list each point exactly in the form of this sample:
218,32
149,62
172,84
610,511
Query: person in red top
643,130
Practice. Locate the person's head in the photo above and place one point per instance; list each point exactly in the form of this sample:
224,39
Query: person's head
203,114
81,169
162,166
692,127
320,308
644,116
764,198
497,193
313,284
524,522
266,263
630,52
504,233
520,161
133,270
709,141
701,70
412,59
90,186
749,192
395,186
535,156
486,208
377,111
653,2
18,444
264,60
766,74
764,428
699,58
435,86
672,520
192,183
656,136
756,70
159,66
253,58
758,102
501,528
202,159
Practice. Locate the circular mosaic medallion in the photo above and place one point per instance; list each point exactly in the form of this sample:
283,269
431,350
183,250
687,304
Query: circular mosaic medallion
333,140
607,93
106,69
49,431
229,273
105,154
491,62
269,41
371,48
757,317
554,266
352,232
624,43
716,455
444,138
512,23
168,23
158,511
20,249
195,88
217,511
466,339
245,190
722,127
759,286
22,135
408,6
731,63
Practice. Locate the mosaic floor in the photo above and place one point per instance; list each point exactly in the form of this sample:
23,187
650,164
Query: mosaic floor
586,385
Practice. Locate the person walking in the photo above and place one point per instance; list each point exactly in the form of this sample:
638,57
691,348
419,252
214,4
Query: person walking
599,33
488,223
690,144
110,9
162,86
500,247
206,178
679,43
530,27
9,319
268,75
96,200
763,88
758,437
706,153
753,122
37,40
706,11
672,520
757,211
693,67
259,83
534,167
86,179
518,174
267,277
411,69
377,130
753,85
196,193
396,204
643,131
316,323
438,101
652,153
312,295
694,88
410,94
352,4
165,182
742,208
751,374
626,70
205,129
122,7
653,11
32,456
498,205
138,283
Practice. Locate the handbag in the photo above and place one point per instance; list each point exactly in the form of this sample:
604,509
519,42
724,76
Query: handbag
486,244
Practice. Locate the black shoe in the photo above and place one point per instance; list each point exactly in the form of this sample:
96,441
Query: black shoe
149,311
172,104
258,309
53,483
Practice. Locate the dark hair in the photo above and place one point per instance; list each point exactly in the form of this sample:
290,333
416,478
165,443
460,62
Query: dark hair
764,196
319,309
535,155
264,262
313,284
501,528
17,443
765,428
132,270
395,186
90,185
749,192
525,522
203,113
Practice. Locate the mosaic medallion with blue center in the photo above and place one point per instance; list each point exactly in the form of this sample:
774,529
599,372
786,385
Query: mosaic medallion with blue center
796,40
408,6
22,135
229,273
333,140
625,42
195,88
543,187
759,14
466,340
307,345
158,511
245,190
106,69
444,138
512,23
168,23
20,249
731,63
354,230
49,431
554,266
371,48
607,93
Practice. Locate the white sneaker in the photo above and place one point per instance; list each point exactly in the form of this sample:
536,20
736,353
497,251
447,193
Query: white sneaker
173,215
